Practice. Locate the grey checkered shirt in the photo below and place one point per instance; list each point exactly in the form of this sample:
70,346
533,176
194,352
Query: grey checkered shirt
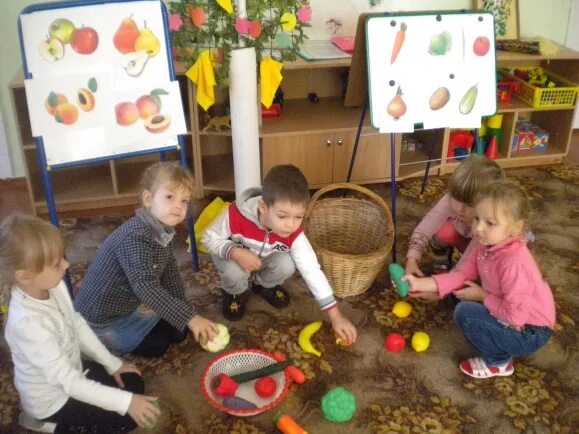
128,270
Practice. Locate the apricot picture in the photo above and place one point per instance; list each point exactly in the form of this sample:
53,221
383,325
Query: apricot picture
66,113
147,106
85,99
157,123
53,101
127,113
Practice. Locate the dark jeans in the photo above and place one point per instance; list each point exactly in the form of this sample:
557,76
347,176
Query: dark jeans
80,417
496,342
157,342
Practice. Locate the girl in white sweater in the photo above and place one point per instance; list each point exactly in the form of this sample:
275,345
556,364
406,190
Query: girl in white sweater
58,391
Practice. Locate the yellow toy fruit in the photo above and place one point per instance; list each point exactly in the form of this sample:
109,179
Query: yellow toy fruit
402,309
306,334
420,341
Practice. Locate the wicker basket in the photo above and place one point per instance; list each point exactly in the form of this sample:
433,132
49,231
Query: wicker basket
351,236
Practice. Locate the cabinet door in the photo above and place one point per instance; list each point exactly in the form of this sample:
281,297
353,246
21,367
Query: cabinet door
372,158
312,153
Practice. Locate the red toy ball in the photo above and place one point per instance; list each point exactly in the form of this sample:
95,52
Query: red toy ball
394,342
265,387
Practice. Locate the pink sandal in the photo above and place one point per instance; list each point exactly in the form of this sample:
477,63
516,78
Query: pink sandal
477,368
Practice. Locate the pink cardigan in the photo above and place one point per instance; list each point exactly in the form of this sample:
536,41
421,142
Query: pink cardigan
431,222
516,291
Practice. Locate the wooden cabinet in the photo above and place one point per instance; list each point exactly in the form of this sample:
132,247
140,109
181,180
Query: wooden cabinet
318,137
325,157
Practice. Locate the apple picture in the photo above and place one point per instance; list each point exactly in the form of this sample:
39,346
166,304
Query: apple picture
61,29
51,50
84,40
481,46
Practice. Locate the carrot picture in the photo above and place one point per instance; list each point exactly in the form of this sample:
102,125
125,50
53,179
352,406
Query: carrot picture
400,35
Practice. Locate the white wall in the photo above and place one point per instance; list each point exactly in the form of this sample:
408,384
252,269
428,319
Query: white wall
5,164
572,39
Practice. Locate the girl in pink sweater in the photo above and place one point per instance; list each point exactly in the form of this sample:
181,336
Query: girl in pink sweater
447,225
512,312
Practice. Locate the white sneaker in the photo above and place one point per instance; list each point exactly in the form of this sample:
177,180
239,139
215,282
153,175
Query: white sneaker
33,424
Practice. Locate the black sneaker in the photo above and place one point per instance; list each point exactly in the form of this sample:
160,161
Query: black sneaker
233,306
276,296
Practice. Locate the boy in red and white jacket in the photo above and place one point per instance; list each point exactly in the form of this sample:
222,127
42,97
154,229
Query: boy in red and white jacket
262,239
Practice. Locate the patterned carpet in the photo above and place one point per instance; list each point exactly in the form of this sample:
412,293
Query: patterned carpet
405,392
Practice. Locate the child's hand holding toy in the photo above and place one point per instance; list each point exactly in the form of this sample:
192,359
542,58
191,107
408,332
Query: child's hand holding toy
246,260
343,327
144,410
203,329
413,268
423,288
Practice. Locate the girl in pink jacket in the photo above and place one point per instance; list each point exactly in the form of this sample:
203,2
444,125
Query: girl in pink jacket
447,225
512,312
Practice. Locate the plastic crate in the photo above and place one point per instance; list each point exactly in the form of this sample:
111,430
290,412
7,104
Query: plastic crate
563,95
505,89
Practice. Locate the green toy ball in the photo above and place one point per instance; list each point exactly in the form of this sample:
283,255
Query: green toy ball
338,405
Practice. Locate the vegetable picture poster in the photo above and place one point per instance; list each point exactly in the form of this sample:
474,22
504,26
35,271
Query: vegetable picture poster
434,69
99,80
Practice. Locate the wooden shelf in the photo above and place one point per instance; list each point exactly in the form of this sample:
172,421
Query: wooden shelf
301,116
218,173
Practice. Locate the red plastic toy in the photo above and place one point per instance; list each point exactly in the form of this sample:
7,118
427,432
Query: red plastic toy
492,151
460,140
265,387
394,342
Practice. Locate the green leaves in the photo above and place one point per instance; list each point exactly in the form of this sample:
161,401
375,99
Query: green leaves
156,95
219,33
92,84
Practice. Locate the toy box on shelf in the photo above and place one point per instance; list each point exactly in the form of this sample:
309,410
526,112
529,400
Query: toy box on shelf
529,136
541,88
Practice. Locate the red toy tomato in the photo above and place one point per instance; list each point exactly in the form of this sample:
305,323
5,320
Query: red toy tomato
265,387
394,342
84,40
481,46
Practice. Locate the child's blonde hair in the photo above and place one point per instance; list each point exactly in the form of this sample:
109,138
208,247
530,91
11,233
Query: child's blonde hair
170,173
28,243
471,175
508,198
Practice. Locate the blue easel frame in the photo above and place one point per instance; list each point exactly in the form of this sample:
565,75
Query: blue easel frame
40,151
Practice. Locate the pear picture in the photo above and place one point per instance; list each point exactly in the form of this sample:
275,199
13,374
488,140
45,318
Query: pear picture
134,63
126,35
148,41
137,46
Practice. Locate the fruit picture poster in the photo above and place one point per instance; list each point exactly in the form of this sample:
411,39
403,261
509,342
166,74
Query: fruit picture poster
434,69
99,81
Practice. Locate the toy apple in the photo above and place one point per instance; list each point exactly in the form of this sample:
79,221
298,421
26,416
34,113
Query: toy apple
61,29
481,46
394,342
84,40
218,342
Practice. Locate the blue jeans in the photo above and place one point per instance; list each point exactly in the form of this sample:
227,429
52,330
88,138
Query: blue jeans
496,342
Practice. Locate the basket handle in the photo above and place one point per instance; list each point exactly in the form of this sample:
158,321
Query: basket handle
349,186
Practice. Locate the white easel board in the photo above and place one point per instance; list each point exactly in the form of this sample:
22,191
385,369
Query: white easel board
443,75
88,99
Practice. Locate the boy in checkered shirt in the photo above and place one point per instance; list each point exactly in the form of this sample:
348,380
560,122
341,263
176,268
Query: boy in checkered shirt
136,266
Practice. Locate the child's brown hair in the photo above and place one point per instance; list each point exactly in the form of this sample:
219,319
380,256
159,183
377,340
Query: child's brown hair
285,183
471,175
508,198
171,173
28,243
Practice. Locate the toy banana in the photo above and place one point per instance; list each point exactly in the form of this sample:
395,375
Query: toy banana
305,336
